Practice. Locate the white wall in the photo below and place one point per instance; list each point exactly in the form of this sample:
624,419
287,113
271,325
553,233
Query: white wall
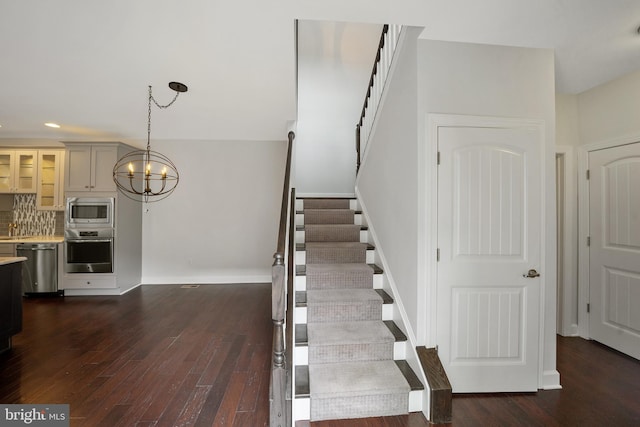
455,78
567,124
387,183
334,65
610,111
220,224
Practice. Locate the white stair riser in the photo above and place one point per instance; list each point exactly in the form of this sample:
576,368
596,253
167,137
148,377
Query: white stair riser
302,408
301,257
415,400
301,355
387,312
364,236
301,282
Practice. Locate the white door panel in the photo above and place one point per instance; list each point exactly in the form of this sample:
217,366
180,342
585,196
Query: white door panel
614,198
489,233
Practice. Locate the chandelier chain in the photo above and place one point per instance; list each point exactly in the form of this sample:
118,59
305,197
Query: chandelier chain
163,106
151,98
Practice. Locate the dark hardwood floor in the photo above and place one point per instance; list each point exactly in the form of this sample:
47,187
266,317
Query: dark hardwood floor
157,356
167,356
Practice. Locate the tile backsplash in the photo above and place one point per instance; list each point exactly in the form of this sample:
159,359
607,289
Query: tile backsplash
5,218
31,222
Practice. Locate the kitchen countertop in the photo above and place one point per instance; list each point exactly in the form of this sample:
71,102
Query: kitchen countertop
31,239
4,260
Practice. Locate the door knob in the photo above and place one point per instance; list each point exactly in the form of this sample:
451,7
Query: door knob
531,273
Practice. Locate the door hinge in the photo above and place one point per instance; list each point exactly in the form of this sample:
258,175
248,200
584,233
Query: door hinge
588,308
588,174
438,255
438,158
588,240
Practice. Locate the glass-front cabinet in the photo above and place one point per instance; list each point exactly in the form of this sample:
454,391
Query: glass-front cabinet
18,171
50,194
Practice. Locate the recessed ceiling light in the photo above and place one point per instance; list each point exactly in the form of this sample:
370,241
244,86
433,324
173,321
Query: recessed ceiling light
52,125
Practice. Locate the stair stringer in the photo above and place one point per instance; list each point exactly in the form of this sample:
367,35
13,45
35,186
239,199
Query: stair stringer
400,317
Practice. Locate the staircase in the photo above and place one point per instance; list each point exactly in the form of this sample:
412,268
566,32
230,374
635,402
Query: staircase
349,353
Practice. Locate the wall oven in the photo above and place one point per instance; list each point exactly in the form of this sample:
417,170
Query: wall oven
89,212
88,250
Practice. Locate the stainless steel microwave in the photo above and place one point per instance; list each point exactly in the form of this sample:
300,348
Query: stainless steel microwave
89,211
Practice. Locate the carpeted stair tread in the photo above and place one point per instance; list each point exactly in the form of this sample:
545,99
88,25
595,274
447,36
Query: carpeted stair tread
302,227
342,296
350,378
343,305
357,390
335,252
329,216
334,333
339,276
332,233
322,203
305,246
349,342
301,269
301,296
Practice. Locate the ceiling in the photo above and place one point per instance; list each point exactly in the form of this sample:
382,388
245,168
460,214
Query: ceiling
87,64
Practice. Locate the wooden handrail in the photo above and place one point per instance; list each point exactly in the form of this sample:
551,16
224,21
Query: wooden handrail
282,232
280,371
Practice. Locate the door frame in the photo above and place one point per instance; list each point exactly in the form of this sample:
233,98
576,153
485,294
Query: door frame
583,224
548,376
568,302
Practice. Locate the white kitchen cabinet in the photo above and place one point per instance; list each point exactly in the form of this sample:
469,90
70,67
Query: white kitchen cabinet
90,167
18,171
95,281
50,194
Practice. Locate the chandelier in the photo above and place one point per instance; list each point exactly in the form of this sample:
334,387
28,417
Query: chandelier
146,175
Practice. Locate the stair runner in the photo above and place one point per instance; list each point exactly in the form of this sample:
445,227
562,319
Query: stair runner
352,372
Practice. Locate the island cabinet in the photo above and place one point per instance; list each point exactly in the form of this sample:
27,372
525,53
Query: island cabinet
89,167
10,301
18,171
50,194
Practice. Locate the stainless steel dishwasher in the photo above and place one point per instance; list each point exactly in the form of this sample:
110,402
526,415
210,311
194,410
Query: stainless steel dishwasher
40,270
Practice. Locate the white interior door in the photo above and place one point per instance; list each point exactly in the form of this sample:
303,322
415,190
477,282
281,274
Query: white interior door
489,237
614,256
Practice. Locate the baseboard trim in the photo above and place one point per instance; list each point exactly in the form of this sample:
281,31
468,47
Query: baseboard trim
551,380
207,280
